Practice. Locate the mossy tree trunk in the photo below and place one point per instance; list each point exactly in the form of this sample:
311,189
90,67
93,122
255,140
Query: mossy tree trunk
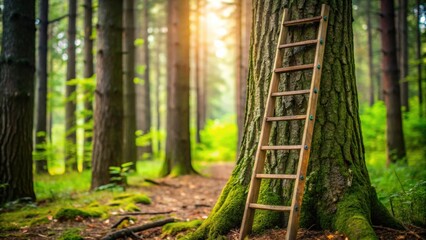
338,193
17,65
178,148
108,119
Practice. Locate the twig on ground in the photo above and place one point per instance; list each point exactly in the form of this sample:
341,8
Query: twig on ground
120,221
127,232
160,183
201,205
143,213
399,231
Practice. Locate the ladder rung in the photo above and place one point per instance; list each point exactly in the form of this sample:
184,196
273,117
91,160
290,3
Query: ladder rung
295,44
286,118
294,68
302,21
269,207
276,176
288,147
290,93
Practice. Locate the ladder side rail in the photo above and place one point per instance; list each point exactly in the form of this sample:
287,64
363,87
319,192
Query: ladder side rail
264,134
299,185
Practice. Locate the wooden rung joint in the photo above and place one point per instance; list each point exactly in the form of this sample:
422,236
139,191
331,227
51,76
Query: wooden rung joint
283,147
269,207
290,93
276,176
286,118
296,44
294,68
302,21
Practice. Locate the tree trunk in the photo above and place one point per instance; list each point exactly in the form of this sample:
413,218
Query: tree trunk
70,107
146,128
143,104
129,117
419,59
88,74
403,51
17,64
158,86
178,145
246,18
108,134
395,137
198,71
41,127
338,195
370,53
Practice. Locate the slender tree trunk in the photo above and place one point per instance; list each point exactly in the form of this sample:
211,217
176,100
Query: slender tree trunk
198,66
338,195
41,127
70,107
246,10
204,70
17,65
403,51
159,45
419,59
107,140
370,53
239,70
88,74
146,128
129,117
395,137
178,145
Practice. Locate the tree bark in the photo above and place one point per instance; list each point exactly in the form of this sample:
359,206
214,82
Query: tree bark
88,74
129,117
41,126
158,85
178,145
391,88
403,51
419,59
70,106
107,141
370,53
17,66
338,195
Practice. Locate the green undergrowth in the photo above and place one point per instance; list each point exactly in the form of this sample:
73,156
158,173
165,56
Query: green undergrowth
172,229
71,234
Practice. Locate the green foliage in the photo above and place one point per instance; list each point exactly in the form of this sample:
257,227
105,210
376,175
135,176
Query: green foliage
218,141
399,187
71,234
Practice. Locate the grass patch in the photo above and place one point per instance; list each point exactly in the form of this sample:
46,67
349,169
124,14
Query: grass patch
71,234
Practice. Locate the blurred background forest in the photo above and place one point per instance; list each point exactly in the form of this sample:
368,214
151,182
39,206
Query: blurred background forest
219,47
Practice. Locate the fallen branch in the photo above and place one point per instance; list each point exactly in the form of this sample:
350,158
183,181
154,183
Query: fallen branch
127,232
120,221
160,183
143,213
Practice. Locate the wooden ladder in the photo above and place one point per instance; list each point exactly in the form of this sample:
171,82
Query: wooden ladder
263,146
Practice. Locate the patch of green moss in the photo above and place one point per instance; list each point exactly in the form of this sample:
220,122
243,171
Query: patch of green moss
39,221
226,215
72,213
131,207
71,234
353,214
116,203
175,228
123,196
94,204
267,219
141,198
9,226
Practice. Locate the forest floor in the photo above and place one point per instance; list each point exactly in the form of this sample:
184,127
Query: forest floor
183,198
